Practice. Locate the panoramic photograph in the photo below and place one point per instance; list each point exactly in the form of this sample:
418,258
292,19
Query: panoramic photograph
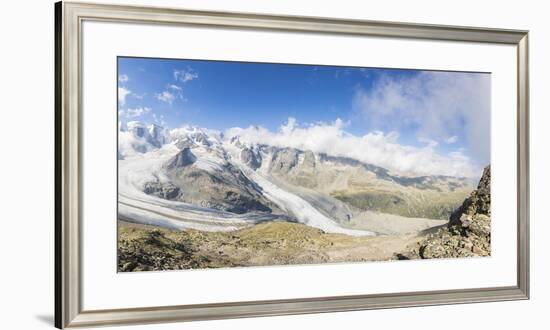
236,164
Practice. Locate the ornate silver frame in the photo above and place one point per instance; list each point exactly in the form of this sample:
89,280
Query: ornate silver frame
68,309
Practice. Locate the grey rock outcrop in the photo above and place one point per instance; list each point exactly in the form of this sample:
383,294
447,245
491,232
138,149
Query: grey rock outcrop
184,158
468,233
284,160
162,190
251,158
479,201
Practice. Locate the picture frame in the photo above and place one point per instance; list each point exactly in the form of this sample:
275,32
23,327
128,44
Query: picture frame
69,18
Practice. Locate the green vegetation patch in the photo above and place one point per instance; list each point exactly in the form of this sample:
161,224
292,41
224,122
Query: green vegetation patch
432,205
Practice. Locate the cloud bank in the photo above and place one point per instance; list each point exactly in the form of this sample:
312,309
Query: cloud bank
375,148
446,107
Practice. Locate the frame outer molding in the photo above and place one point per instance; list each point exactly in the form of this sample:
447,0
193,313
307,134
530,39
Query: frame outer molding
68,304
523,164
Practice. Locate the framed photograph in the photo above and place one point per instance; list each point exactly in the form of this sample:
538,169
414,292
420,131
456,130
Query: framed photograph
216,165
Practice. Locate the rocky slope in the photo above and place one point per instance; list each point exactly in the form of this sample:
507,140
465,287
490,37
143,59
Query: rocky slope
358,185
227,189
468,233
147,248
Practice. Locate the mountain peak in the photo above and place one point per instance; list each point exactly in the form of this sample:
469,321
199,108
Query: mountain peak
193,135
183,158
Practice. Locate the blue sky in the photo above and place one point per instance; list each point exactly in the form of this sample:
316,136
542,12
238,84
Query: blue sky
261,94
444,111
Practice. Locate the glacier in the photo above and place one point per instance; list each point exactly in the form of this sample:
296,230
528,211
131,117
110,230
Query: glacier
144,149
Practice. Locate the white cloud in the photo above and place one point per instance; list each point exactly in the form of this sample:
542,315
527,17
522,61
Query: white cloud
440,106
123,78
175,87
122,93
429,142
375,148
185,75
165,96
134,112
451,139
170,94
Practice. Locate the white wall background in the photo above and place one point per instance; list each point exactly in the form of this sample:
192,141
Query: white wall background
26,165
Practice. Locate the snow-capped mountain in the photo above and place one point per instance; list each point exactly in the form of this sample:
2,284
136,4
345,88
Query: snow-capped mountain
197,178
136,137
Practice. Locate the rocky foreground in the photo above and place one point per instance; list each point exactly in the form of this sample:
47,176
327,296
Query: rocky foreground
468,233
147,248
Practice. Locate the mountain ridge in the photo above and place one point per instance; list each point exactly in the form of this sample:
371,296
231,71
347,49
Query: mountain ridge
193,167
192,136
